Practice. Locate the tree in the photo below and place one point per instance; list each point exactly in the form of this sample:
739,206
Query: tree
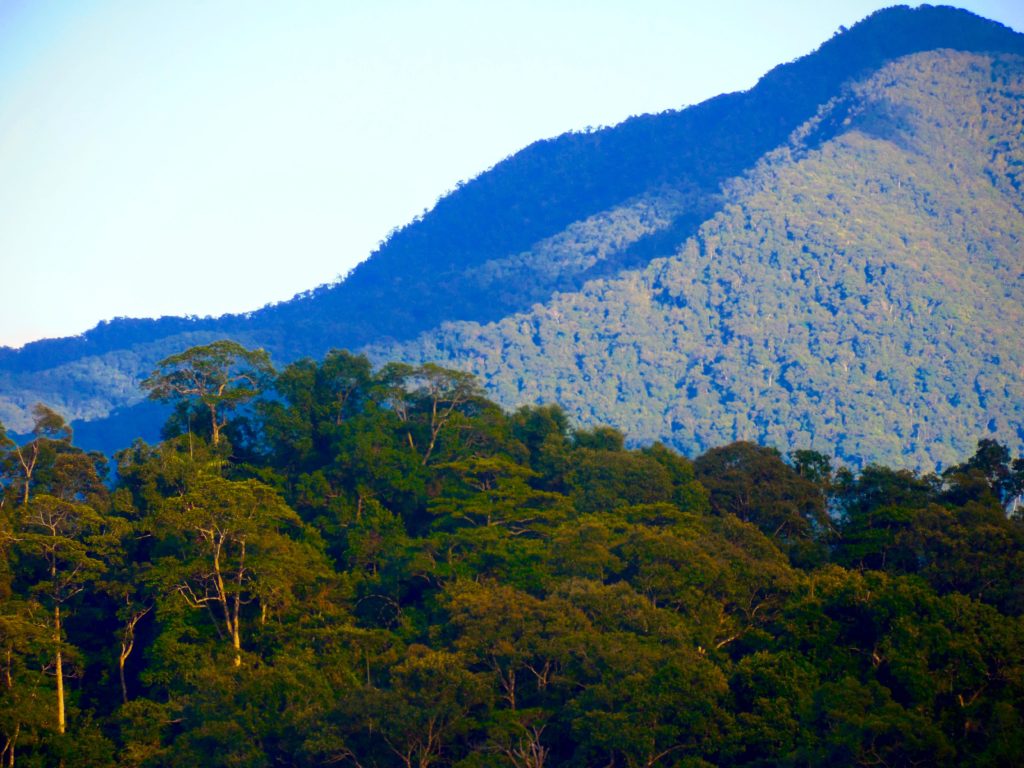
517,736
878,486
688,494
221,376
815,466
124,582
445,391
428,397
25,650
544,431
756,485
523,641
433,700
229,548
636,710
315,402
495,491
50,435
989,471
342,381
374,536
57,540
601,480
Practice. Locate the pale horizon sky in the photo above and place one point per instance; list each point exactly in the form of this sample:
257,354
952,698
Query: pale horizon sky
199,158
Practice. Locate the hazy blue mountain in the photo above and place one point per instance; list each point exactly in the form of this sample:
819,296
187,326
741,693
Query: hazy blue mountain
547,221
860,292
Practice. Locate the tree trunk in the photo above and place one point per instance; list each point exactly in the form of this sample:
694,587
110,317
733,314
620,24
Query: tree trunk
124,685
28,467
236,641
128,645
59,670
236,635
230,622
8,753
214,424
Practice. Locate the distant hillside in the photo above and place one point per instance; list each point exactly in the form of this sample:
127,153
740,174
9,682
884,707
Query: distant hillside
861,291
549,219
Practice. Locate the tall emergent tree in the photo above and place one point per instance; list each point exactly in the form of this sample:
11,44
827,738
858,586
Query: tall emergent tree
19,463
57,541
221,376
227,547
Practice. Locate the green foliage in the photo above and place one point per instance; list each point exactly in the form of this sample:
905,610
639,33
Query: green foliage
755,485
390,571
380,567
218,377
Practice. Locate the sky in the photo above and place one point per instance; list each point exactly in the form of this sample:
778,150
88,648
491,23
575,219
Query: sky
198,158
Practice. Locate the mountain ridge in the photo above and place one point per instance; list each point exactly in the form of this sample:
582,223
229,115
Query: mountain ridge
540,244
891,32
890,252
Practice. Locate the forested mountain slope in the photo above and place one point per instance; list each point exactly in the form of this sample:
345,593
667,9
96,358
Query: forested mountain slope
548,219
861,291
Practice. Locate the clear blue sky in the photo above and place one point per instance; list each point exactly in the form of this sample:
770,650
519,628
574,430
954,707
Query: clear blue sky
186,157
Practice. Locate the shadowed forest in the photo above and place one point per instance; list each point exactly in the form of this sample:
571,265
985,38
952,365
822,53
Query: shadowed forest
340,565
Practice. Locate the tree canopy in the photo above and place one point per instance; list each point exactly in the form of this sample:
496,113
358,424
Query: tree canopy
380,567
220,377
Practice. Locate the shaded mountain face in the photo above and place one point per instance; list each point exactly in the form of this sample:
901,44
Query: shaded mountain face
550,220
860,292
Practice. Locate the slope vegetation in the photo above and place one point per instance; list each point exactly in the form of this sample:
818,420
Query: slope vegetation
860,292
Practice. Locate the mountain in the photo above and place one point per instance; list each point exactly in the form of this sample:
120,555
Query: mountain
568,223
860,292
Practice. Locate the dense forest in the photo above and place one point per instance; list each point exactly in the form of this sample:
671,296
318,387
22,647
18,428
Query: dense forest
858,293
333,564
586,206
